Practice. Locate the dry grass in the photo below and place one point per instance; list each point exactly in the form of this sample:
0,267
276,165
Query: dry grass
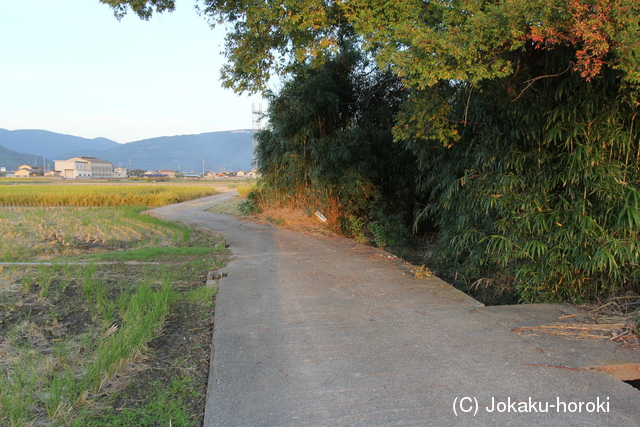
244,190
615,320
612,331
228,207
292,218
421,271
33,232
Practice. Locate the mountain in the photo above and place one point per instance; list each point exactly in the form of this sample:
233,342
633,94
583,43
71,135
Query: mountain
11,159
226,150
49,144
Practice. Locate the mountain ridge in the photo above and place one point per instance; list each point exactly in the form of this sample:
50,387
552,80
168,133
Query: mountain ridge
10,159
221,150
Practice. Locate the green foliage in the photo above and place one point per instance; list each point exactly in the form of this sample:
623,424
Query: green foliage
516,125
429,41
539,194
143,8
166,405
389,231
275,37
330,146
251,204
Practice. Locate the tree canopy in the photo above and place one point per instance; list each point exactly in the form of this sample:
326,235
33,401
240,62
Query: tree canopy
423,41
515,123
143,8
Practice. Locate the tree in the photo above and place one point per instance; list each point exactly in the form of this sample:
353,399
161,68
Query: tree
329,147
143,8
521,116
423,41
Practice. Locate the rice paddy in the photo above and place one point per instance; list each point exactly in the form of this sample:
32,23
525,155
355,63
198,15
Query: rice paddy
30,233
91,195
79,332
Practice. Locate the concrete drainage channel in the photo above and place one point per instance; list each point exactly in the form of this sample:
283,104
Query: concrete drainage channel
629,373
562,332
635,384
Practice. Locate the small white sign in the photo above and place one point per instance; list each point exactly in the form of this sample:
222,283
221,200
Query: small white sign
321,217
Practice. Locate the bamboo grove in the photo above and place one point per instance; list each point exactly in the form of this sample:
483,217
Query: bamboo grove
336,154
510,127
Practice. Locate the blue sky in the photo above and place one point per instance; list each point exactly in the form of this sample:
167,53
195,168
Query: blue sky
69,66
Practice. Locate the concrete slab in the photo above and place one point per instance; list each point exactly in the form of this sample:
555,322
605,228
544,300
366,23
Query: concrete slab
560,332
320,331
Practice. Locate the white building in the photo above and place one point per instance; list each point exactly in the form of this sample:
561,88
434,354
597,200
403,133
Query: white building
120,172
84,167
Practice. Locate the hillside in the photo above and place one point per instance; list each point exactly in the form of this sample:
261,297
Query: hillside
49,144
11,159
226,150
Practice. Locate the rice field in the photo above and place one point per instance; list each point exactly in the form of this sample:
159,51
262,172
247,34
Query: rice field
92,195
30,233
75,337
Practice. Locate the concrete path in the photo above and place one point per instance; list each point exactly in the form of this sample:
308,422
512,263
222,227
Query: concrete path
315,330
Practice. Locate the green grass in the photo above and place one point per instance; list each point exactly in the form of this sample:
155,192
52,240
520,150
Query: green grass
154,254
65,382
53,372
165,406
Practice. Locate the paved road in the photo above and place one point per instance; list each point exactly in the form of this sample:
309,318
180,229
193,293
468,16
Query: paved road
313,330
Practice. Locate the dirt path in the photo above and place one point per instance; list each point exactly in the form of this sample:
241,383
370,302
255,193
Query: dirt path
313,330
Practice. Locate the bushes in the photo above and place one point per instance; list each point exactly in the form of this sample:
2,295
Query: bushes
535,195
330,147
538,197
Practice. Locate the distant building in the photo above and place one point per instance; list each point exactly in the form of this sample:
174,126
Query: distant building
28,171
167,172
154,174
36,169
83,167
24,173
120,172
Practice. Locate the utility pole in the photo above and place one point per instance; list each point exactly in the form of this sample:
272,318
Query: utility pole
256,117
203,166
